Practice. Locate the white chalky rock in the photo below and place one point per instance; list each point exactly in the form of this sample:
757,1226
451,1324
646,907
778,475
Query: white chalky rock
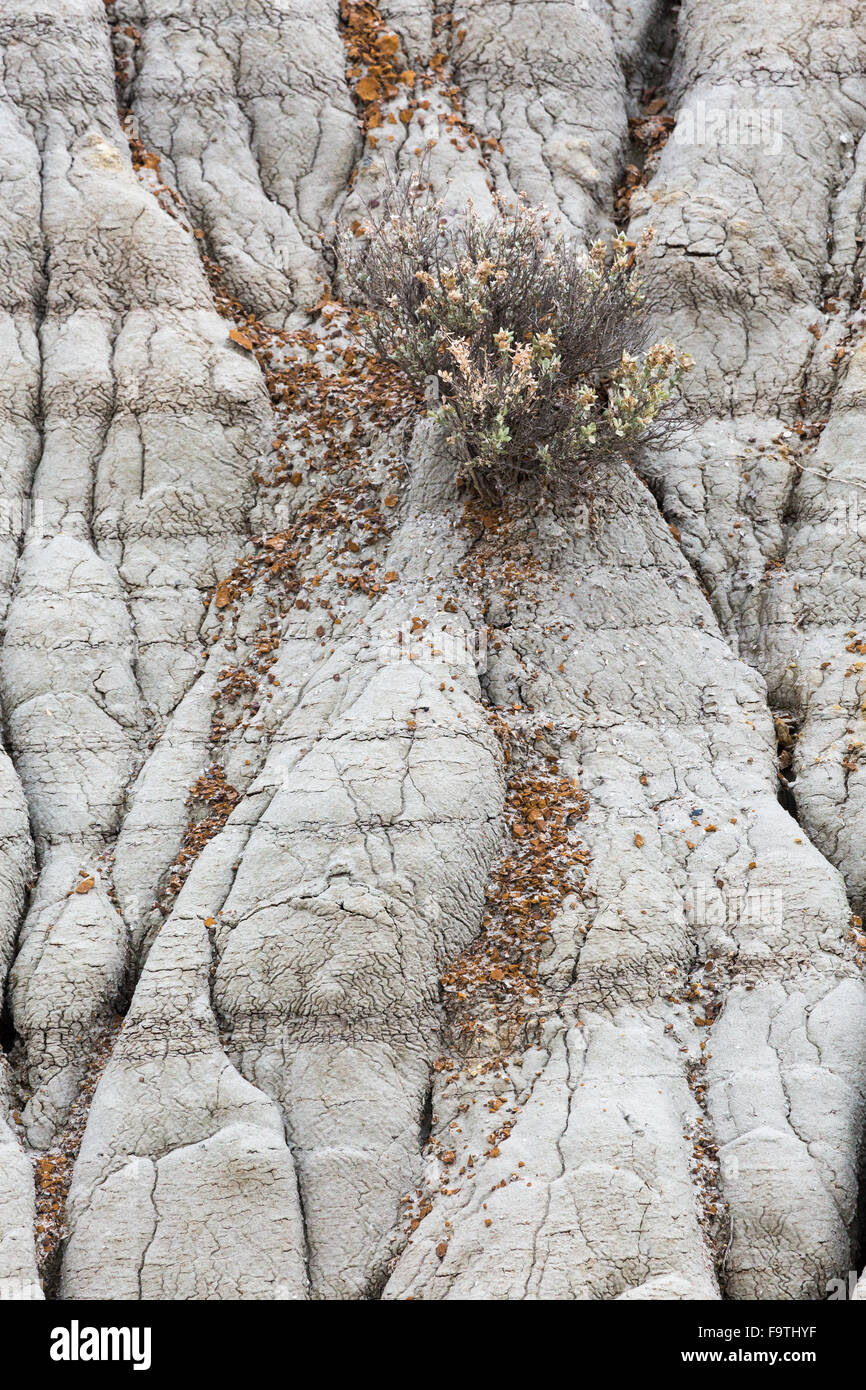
262,734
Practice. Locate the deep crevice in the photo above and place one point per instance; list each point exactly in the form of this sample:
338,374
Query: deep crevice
787,728
650,123
8,1036
425,1127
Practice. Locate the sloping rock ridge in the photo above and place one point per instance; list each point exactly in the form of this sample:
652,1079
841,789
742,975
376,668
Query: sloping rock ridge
398,901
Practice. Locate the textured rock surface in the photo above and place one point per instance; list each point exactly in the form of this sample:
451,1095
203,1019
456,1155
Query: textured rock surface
396,902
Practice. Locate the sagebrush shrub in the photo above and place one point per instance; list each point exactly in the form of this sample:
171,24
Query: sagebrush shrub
541,350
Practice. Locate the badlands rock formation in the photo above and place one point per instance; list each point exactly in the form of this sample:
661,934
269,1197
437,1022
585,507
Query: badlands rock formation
396,901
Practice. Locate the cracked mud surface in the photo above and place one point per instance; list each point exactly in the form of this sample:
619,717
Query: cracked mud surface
399,900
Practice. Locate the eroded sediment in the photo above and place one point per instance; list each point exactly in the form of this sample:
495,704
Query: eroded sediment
414,911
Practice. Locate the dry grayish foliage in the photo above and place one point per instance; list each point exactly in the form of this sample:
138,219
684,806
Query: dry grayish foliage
541,350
